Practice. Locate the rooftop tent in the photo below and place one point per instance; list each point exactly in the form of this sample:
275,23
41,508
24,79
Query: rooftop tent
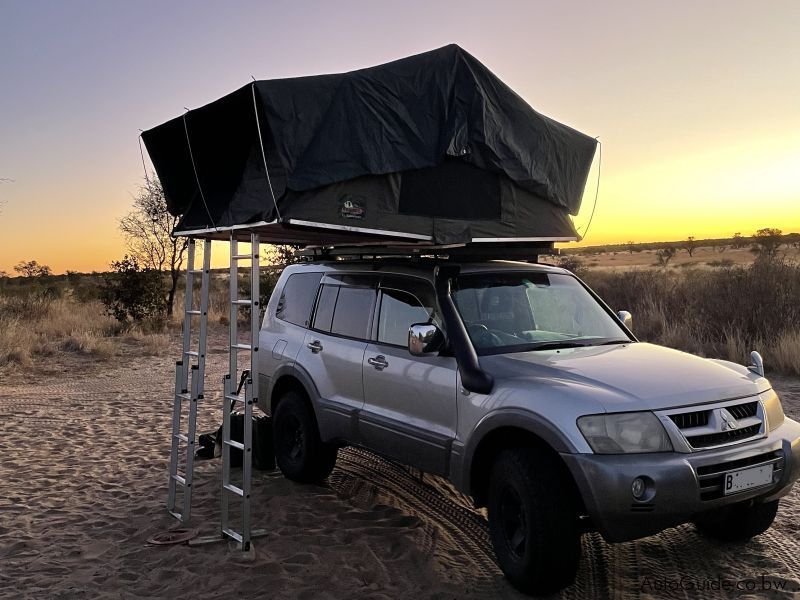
432,148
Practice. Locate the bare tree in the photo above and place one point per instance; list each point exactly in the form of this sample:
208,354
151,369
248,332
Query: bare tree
280,255
631,246
31,268
767,241
148,234
738,241
665,254
689,245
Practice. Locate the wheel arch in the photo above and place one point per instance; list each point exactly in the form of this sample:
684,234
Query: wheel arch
504,431
287,378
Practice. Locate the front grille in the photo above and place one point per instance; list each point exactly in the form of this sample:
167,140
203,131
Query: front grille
723,437
715,426
711,477
742,411
691,419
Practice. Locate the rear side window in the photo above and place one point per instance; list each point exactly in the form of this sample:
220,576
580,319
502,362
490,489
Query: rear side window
353,313
325,306
297,298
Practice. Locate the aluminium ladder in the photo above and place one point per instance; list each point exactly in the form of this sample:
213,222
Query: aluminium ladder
189,386
233,396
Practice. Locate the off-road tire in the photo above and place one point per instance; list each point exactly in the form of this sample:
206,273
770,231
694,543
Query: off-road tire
739,522
299,452
530,496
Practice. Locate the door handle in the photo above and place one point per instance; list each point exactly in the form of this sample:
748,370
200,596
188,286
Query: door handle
379,362
315,346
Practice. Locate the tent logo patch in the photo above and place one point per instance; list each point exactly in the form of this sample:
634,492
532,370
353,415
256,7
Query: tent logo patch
350,208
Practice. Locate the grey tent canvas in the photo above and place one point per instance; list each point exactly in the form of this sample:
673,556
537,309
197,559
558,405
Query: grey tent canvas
433,148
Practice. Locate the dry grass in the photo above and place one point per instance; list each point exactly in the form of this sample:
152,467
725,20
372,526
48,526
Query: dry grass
152,344
722,313
36,324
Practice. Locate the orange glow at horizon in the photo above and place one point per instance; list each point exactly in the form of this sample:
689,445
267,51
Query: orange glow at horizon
696,104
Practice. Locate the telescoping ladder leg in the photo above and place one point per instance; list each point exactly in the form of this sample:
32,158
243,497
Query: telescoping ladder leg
233,396
189,387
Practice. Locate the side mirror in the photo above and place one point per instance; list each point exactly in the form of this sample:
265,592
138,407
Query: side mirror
424,338
626,319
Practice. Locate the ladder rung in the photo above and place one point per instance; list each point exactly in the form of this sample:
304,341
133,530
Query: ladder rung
193,312
176,514
234,444
184,396
241,256
233,489
235,398
191,353
242,302
242,347
233,534
194,271
179,479
182,437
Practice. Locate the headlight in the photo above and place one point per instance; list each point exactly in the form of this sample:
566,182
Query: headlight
619,433
773,408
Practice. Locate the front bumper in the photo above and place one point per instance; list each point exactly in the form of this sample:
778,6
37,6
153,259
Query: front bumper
675,495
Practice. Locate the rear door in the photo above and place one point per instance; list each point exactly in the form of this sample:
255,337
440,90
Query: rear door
333,350
409,402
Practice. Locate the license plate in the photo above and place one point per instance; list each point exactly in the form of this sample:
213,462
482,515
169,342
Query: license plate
744,479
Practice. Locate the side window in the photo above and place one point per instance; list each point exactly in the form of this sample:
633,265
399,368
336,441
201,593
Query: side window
353,313
399,310
297,298
327,302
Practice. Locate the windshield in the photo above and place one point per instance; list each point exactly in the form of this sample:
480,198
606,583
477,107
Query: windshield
517,312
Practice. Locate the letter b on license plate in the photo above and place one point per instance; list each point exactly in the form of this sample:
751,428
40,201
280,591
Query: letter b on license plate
745,479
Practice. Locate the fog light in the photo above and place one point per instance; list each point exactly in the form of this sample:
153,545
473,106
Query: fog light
638,487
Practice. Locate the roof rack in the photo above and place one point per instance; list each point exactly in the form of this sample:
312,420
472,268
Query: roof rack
523,251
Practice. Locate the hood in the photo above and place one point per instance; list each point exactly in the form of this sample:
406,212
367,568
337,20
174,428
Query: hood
635,376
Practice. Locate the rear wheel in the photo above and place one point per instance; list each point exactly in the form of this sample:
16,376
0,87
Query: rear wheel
533,522
737,523
299,452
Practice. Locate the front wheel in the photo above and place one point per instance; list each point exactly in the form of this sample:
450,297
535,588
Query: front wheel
533,522
737,523
299,452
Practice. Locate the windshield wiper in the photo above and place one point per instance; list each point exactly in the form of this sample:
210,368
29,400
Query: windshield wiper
612,342
557,345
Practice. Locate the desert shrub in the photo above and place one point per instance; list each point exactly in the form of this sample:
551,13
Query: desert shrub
132,294
724,313
725,262
571,263
664,255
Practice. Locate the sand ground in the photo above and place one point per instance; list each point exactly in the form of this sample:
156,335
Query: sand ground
83,462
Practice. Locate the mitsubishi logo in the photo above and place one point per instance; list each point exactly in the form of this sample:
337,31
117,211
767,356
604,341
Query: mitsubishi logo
728,420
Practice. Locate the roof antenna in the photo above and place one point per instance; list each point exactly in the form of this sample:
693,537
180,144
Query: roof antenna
597,187
253,78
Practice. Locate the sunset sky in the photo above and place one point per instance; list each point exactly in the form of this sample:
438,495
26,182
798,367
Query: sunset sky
697,103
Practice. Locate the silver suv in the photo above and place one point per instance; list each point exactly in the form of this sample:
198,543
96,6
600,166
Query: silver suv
519,385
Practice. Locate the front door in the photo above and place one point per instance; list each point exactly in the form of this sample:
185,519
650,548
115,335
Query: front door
409,402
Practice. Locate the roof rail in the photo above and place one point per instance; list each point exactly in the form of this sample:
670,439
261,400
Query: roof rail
523,251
